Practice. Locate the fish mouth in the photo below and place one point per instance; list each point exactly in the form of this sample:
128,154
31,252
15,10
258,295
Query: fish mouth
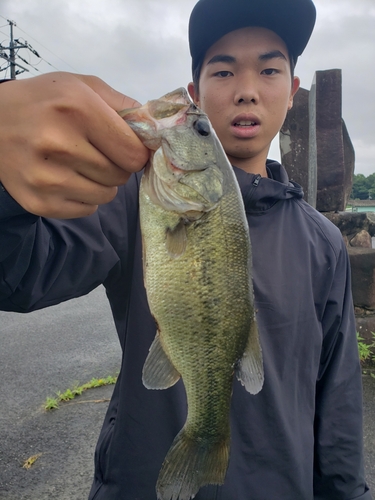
177,170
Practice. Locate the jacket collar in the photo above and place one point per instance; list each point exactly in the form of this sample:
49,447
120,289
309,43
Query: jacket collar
261,193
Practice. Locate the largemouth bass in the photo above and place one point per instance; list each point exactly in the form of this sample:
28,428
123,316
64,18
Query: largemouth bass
197,273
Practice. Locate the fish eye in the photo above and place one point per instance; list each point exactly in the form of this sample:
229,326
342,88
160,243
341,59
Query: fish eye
202,127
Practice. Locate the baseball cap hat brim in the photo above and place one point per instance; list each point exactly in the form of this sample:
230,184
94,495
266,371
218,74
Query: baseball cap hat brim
292,20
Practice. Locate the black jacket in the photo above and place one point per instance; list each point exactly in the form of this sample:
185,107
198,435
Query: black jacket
300,438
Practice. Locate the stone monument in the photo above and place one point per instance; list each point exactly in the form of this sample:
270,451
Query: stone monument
318,154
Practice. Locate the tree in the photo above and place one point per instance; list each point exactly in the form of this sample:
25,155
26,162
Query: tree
363,187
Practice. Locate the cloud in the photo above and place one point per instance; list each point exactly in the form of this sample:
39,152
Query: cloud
365,157
140,47
344,38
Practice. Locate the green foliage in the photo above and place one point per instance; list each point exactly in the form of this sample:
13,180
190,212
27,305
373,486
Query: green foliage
77,390
366,350
51,404
363,187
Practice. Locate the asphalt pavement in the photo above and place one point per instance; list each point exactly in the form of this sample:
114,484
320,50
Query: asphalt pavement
42,353
52,350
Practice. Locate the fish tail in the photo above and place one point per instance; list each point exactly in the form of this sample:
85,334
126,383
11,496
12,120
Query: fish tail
190,464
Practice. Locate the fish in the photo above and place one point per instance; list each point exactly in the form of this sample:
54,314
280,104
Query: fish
198,278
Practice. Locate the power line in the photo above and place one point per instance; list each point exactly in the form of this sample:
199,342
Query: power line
18,43
31,49
46,49
10,54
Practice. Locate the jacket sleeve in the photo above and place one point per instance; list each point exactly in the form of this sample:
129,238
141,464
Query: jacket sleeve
46,261
338,461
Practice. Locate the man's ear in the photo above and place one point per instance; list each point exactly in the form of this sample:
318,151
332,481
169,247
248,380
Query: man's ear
193,94
295,87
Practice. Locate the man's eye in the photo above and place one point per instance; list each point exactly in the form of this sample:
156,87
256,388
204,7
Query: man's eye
270,71
223,74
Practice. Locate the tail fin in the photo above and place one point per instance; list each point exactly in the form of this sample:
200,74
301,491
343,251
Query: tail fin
190,464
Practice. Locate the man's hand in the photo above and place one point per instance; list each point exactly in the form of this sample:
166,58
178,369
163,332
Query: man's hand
63,147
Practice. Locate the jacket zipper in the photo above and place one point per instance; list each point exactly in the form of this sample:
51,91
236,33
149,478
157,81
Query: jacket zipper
254,185
256,180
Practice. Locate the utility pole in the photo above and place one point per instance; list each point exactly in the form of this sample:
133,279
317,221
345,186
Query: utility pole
14,45
12,53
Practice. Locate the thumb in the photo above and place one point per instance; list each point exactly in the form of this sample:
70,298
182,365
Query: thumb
112,97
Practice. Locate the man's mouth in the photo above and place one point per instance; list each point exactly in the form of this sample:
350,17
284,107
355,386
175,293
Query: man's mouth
245,126
244,123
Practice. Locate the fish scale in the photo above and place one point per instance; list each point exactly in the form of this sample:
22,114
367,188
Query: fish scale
197,274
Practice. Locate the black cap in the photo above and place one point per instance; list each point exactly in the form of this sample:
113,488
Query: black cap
292,20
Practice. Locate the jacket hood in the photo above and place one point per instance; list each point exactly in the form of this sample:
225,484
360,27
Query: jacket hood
261,193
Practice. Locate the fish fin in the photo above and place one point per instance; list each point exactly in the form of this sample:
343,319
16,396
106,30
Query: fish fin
176,240
158,370
250,367
190,464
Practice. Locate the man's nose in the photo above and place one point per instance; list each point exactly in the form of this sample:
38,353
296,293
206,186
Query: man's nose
247,91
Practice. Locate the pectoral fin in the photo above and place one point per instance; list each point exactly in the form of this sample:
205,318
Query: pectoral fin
250,367
176,239
158,370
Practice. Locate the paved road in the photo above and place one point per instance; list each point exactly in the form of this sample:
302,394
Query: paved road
369,429
42,353
50,350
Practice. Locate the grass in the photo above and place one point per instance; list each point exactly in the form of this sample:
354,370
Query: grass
366,351
77,390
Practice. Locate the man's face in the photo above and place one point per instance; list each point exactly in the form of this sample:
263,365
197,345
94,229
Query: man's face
245,88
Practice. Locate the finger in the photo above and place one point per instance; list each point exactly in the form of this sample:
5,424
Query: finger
108,131
88,106
112,97
98,168
80,157
58,193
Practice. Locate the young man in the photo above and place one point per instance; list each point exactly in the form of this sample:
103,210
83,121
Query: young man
300,438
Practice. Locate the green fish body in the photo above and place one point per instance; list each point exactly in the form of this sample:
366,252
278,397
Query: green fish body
197,272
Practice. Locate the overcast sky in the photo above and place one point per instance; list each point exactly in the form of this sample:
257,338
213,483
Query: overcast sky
140,48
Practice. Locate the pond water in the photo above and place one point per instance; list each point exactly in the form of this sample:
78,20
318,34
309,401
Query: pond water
361,209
